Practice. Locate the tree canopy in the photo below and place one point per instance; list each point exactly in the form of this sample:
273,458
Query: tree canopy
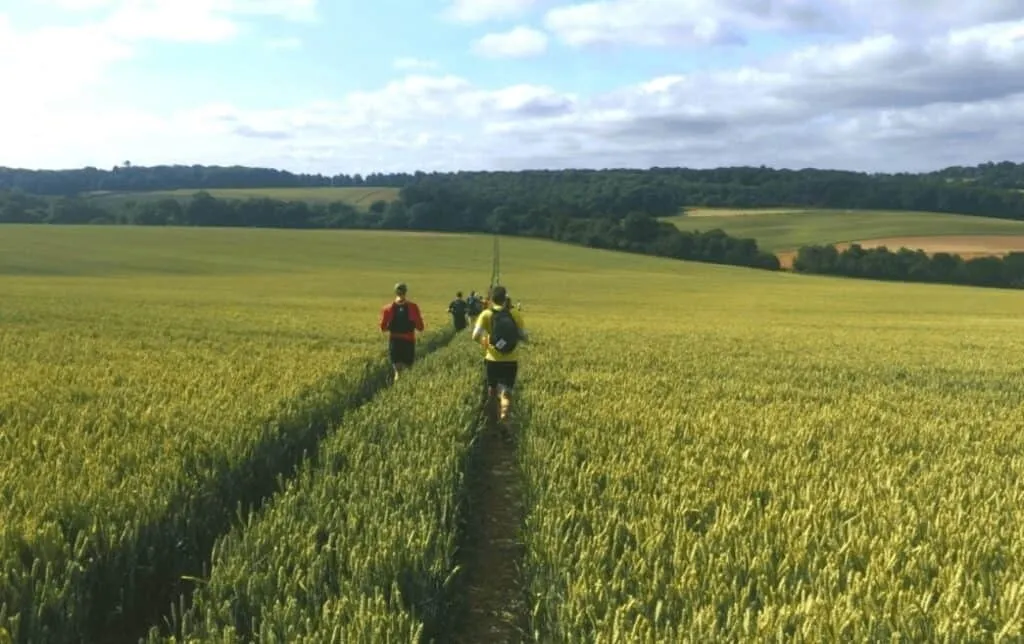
617,209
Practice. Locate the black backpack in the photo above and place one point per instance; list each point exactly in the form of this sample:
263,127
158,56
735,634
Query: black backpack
401,320
504,331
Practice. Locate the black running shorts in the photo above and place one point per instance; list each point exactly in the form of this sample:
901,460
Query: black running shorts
402,351
501,373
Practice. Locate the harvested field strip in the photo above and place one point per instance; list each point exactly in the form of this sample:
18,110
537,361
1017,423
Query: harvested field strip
786,231
960,244
741,212
110,582
360,547
967,246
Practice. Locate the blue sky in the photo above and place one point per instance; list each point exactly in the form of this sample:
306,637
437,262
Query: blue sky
830,83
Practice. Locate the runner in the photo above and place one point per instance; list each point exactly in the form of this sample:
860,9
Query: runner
401,319
458,309
474,305
500,330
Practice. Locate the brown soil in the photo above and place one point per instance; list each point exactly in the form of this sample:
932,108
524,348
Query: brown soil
426,233
967,246
976,245
495,601
739,212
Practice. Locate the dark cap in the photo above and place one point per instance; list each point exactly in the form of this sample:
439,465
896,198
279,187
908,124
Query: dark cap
400,287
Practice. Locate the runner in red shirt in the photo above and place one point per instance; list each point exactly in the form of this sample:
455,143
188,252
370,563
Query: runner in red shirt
401,319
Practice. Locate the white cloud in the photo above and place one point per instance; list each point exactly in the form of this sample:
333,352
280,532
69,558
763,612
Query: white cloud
676,22
702,22
951,92
79,5
475,11
409,63
293,10
110,32
165,21
519,42
32,62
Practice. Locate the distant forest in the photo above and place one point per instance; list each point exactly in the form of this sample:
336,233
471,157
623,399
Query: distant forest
990,189
613,209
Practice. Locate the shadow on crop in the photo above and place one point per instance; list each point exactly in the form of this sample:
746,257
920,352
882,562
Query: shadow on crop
165,560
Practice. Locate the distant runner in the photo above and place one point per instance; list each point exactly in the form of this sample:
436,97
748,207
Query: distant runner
458,309
401,319
474,306
500,329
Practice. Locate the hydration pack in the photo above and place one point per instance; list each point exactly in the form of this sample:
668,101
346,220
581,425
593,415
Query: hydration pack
504,331
401,319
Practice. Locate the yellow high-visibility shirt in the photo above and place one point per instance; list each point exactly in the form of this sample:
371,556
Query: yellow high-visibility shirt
484,322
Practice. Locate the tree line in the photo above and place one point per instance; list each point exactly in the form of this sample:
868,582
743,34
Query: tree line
906,265
611,209
1004,175
637,232
129,178
661,192
991,189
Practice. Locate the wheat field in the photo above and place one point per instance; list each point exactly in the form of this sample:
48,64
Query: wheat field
707,452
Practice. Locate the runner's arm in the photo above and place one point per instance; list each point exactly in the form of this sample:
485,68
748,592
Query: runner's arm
417,319
385,318
479,332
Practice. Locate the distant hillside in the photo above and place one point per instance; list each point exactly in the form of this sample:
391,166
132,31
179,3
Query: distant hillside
180,177
734,186
356,196
1003,175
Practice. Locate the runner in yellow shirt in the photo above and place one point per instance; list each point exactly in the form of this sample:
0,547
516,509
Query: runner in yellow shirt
500,329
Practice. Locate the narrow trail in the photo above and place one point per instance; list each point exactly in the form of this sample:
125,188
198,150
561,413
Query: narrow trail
494,605
169,590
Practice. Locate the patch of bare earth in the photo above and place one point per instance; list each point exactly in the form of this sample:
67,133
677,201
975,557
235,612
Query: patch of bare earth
425,233
494,600
739,212
960,244
967,246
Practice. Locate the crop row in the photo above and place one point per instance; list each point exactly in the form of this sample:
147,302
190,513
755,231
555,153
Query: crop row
360,546
730,492
137,425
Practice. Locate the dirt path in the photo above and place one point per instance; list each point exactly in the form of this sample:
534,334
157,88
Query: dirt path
494,604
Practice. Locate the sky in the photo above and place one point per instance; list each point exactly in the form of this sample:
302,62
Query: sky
338,86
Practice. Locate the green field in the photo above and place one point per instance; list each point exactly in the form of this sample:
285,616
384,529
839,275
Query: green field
783,230
707,452
357,196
